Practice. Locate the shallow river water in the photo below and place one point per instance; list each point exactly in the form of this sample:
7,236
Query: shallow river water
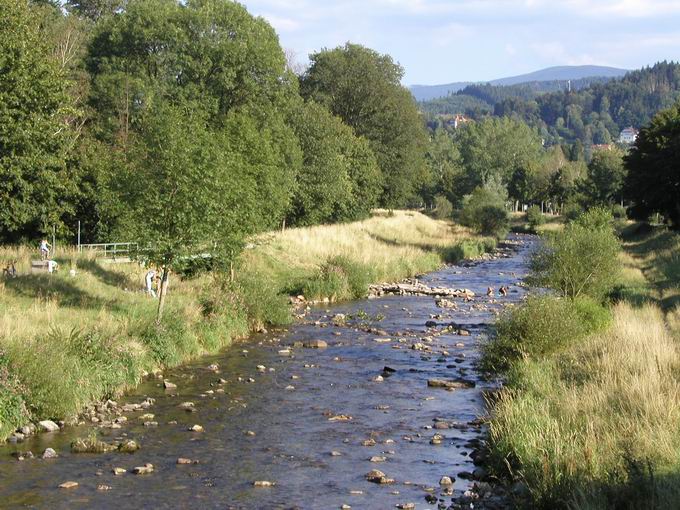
289,410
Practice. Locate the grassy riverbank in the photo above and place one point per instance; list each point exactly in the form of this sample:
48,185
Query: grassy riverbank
596,422
66,341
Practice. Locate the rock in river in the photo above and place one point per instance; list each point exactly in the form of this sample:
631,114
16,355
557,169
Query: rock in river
48,426
49,454
143,470
169,386
450,384
377,476
68,485
315,344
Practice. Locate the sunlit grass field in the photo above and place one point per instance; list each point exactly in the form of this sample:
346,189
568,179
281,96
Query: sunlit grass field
597,423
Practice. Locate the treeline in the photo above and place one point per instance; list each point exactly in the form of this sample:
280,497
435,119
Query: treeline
594,114
181,125
503,161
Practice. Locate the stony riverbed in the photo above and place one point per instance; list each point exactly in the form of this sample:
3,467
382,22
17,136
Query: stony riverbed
302,418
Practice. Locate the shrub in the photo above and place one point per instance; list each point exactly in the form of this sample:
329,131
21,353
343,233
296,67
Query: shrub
339,278
534,217
469,249
619,212
443,209
263,303
543,325
484,211
580,260
572,210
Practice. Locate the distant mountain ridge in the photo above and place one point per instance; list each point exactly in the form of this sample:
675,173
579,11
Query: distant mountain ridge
557,73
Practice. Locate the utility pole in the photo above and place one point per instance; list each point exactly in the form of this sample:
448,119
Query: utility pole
54,242
78,236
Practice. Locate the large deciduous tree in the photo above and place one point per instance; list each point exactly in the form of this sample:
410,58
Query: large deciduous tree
340,178
494,149
653,180
606,175
34,181
363,88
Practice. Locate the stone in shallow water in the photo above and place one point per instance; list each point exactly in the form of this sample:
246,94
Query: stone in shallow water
49,454
68,485
263,483
48,426
143,470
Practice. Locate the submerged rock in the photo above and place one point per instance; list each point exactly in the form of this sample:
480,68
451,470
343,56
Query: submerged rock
68,485
315,344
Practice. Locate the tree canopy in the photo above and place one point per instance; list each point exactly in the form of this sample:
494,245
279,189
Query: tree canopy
363,88
653,180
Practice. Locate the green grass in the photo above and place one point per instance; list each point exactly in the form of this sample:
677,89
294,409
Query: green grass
68,341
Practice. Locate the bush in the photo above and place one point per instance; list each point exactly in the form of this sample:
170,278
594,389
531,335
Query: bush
263,303
580,260
484,211
542,326
572,210
469,249
339,278
619,212
443,209
534,217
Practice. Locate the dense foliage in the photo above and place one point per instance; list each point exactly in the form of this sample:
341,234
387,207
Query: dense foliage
653,180
593,111
363,88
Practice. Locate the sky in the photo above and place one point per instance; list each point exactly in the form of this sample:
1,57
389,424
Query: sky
444,41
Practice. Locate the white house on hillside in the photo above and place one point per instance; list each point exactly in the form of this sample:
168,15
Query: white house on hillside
628,135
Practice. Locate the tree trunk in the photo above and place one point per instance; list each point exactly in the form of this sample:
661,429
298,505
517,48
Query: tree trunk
161,295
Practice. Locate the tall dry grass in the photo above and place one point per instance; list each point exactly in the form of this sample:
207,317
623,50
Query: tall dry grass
598,419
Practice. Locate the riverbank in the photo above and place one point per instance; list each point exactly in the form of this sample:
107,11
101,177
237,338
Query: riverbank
69,341
595,422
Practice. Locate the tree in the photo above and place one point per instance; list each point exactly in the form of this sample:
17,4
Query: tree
183,192
339,179
445,168
495,148
35,184
95,9
363,88
653,180
606,174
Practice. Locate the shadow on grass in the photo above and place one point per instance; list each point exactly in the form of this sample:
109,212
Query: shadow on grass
45,286
112,278
639,488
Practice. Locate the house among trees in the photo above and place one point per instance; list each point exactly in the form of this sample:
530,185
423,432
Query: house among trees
455,121
628,135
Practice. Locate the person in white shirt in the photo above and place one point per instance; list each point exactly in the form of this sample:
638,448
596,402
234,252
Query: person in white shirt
149,278
44,249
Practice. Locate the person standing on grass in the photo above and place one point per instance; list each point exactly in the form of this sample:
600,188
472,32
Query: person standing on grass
44,249
149,279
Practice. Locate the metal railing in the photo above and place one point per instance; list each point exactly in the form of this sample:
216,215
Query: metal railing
109,250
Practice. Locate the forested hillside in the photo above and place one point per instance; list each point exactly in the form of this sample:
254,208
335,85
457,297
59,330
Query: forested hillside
594,111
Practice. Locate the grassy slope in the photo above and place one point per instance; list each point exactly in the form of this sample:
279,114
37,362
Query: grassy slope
598,424
68,341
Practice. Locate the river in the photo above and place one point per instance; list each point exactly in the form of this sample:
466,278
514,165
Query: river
289,422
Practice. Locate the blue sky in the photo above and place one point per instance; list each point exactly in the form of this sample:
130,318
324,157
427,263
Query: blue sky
443,41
